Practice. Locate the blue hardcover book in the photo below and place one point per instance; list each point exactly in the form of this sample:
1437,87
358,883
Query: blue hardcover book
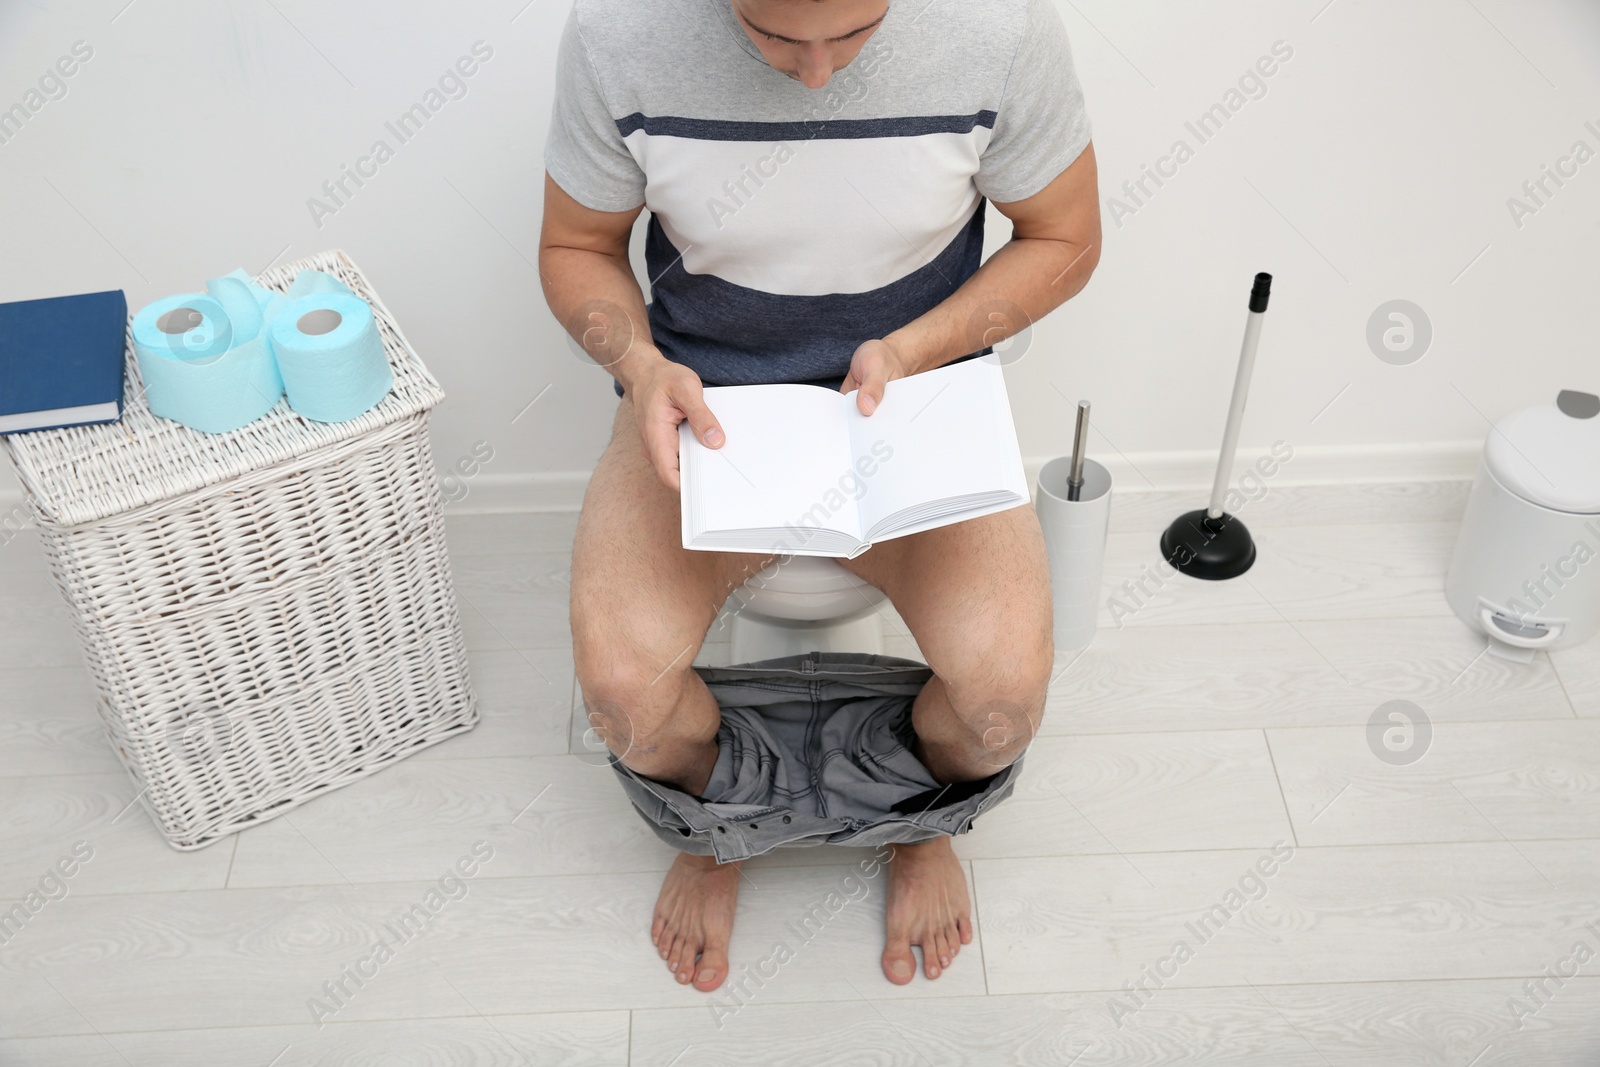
61,361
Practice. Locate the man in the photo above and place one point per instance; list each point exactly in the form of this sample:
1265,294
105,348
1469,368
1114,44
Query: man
816,172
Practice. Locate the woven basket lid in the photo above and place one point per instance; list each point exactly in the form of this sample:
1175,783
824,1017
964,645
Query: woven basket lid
83,474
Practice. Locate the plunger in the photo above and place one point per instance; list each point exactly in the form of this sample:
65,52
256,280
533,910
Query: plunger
1210,543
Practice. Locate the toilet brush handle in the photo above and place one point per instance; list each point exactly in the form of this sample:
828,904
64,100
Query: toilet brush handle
1241,389
1080,446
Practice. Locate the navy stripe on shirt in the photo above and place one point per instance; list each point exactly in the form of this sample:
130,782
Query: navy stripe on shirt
826,129
729,334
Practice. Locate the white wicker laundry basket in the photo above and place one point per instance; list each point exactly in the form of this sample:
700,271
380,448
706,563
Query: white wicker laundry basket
267,614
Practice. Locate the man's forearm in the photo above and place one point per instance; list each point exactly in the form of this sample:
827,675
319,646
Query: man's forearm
1019,285
597,299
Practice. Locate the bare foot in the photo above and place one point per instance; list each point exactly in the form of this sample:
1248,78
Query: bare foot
694,919
928,906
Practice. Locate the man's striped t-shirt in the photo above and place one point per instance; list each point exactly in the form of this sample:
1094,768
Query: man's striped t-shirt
788,225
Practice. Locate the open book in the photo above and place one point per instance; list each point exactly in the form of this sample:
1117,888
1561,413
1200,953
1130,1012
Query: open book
803,472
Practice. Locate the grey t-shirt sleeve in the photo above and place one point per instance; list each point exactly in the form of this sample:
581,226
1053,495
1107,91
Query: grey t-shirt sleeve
584,152
1041,126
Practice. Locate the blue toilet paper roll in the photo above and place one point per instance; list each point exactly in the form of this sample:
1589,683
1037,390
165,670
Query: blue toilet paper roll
306,283
244,310
330,355
237,290
193,371
185,326
261,293
309,282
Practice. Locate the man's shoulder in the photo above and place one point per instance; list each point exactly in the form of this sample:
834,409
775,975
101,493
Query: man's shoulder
980,35
614,14
995,15
989,20
621,25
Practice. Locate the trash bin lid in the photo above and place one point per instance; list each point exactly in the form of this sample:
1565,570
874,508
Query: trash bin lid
1549,454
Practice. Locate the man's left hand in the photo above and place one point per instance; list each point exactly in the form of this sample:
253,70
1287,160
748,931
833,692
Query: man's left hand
875,364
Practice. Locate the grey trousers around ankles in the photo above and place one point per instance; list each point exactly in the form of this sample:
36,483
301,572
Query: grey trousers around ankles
813,749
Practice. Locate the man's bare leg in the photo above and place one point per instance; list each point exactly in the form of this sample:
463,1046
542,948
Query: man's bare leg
976,596
641,606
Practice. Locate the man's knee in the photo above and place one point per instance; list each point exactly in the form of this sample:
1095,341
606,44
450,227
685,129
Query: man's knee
1001,728
629,686
999,697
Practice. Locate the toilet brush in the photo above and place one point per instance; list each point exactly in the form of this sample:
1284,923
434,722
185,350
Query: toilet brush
1210,543
1080,441
1073,502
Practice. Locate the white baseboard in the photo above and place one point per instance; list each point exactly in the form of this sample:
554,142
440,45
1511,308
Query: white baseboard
1447,461
1444,461
498,494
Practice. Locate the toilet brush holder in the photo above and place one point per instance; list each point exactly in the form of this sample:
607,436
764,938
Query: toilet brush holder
1075,541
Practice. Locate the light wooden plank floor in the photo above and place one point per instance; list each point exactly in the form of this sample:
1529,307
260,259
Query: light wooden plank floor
1204,778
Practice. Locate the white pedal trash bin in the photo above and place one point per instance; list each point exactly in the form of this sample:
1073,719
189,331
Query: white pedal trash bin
1526,568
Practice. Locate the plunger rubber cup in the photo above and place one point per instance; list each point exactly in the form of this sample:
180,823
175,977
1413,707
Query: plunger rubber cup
1212,549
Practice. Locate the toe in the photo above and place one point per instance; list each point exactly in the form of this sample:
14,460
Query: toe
675,952
898,963
686,958
964,926
932,955
712,968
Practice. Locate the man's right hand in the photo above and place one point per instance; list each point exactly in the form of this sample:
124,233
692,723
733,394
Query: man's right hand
665,393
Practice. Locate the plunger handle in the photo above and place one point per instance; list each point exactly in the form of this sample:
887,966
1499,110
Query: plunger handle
1241,388
1080,445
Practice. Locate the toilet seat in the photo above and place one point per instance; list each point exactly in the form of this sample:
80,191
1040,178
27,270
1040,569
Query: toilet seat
808,589
804,604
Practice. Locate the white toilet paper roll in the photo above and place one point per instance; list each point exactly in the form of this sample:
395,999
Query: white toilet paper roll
1075,541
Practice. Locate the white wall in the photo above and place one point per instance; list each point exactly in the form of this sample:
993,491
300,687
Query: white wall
1377,166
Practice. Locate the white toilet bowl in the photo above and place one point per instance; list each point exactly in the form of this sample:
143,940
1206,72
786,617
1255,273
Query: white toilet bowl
804,604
